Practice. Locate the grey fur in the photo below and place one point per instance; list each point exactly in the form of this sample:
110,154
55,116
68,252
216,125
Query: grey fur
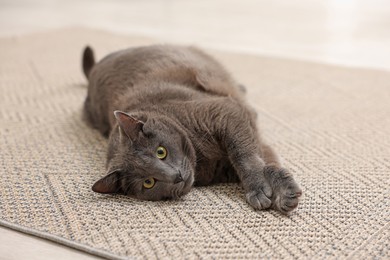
184,100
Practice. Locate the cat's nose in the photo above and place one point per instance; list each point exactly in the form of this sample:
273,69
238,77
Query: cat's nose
178,178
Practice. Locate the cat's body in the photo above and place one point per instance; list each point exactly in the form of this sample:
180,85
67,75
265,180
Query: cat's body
182,100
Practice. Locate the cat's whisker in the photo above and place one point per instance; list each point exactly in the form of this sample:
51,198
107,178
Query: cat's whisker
186,166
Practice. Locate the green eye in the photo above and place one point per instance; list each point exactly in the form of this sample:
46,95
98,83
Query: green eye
149,183
161,152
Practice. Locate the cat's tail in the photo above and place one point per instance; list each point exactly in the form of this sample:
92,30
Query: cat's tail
88,61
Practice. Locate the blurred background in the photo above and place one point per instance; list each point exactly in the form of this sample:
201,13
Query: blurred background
345,32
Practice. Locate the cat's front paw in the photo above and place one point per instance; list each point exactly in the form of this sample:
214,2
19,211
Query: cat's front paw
260,197
286,192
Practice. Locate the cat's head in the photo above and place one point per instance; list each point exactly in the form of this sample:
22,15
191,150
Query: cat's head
149,157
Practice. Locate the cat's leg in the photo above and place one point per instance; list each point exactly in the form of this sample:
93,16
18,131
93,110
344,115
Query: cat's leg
285,191
250,170
241,143
266,183
269,155
234,127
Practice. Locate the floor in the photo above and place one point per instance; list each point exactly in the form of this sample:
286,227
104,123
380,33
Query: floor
34,248
342,32
348,32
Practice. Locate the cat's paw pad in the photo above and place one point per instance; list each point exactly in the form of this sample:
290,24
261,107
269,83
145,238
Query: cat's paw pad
260,198
286,192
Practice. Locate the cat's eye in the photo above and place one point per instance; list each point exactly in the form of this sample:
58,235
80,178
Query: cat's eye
149,183
161,152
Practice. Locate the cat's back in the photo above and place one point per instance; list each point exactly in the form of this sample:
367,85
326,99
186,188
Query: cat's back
156,59
188,66
143,76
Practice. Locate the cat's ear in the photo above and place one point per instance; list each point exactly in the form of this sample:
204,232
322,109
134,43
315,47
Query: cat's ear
129,125
109,184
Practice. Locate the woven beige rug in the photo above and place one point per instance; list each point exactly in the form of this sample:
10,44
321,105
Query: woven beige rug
331,126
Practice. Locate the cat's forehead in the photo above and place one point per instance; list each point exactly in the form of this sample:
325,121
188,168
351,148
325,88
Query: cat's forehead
156,123
137,161
158,126
139,167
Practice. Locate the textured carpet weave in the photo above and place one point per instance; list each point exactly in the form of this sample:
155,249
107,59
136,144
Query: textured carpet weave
330,125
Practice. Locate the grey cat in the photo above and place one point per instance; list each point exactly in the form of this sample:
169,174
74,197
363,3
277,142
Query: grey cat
176,118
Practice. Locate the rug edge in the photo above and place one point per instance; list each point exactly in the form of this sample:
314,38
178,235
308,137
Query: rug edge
60,240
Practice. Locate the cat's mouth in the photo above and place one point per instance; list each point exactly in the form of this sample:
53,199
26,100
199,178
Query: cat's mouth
186,184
